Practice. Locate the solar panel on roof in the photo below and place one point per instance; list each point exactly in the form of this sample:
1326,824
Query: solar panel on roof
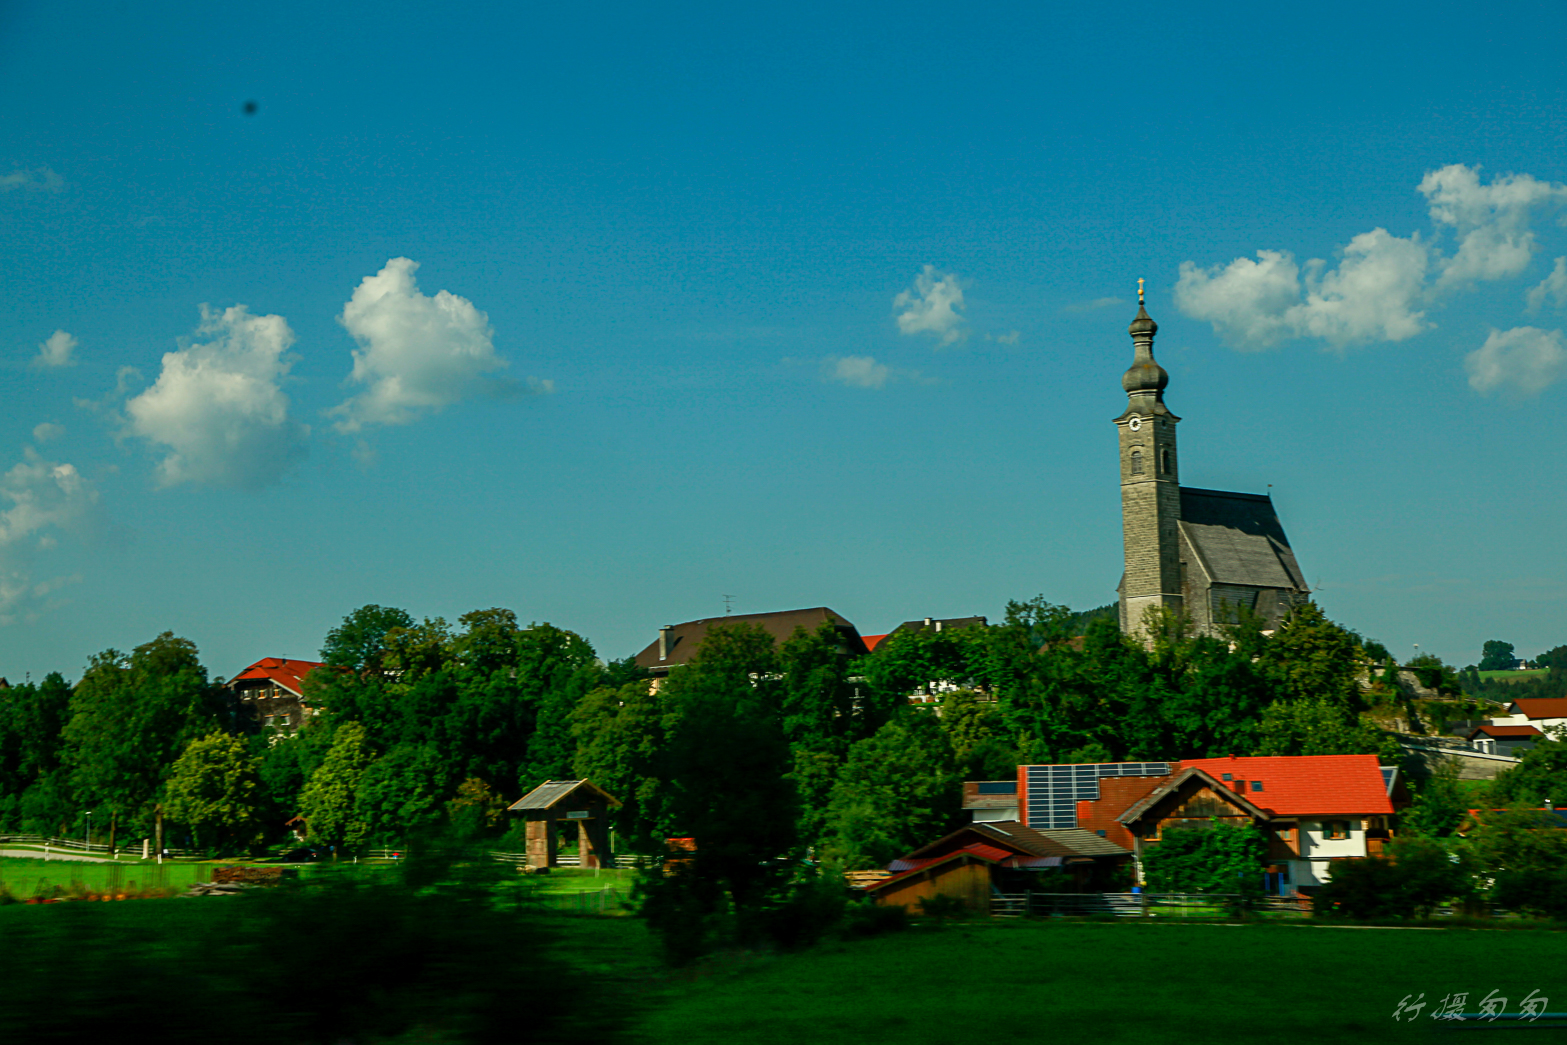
1053,791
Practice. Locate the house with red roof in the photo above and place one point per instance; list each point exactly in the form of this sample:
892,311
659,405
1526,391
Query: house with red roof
1505,740
271,692
1543,713
1313,809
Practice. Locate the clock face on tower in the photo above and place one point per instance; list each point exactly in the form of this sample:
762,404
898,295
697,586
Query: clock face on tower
1135,424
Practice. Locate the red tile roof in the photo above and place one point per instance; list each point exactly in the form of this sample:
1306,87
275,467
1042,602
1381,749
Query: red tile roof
872,640
1302,785
1542,707
290,674
1507,731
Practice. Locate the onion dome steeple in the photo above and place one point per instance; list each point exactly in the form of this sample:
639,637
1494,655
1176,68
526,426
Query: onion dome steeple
1145,376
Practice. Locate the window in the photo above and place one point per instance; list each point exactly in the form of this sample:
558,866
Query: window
1335,829
1164,461
1286,833
1137,462
1229,776
1256,785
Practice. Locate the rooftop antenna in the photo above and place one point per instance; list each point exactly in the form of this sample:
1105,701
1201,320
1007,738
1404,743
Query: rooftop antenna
727,600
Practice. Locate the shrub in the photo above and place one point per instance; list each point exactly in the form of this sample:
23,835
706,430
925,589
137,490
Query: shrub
869,918
1419,874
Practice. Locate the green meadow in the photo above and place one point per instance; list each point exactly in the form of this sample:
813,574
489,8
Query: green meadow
1515,676
1124,981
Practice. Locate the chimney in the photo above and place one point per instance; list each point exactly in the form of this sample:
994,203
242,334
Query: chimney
927,622
663,641
938,625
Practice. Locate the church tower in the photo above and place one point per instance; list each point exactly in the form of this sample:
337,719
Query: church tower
1150,483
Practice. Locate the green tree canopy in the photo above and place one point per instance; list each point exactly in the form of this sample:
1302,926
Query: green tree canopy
330,800
899,789
131,717
215,787
1496,655
1217,857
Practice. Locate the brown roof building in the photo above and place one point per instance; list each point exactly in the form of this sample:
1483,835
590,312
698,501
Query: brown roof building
678,643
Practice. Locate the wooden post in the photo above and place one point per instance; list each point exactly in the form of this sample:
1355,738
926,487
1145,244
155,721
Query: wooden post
159,832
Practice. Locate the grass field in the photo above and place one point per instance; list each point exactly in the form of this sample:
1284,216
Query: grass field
26,877
1515,676
1127,982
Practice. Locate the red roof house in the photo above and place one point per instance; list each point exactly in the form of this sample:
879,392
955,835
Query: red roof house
271,691
1313,809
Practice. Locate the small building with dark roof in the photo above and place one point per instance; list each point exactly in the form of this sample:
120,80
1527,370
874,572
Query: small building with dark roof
1505,740
978,861
678,643
576,801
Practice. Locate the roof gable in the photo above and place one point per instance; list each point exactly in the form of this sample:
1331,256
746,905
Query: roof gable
1540,707
683,640
1182,788
1302,785
1238,539
552,793
290,674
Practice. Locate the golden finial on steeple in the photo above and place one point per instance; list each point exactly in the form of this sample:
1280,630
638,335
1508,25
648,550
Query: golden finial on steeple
1139,291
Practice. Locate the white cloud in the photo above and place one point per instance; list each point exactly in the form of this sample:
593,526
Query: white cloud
1380,288
856,371
36,179
1491,221
1552,287
55,352
1246,301
1370,296
1526,359
417,353
219,408
1090,306
865,372
932,306
47,431
41,498
1007,339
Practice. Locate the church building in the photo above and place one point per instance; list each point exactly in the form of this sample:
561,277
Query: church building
1205,553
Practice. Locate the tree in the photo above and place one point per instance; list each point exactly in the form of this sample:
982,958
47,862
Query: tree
131,717
1555,657
359,643
621,736
330,799
1496,655
1311,658
1540,776
1439,807
215,787
1414,877
1217,857
899,789
1320,727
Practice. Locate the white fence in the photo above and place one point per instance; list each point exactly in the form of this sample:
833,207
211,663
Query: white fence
128,850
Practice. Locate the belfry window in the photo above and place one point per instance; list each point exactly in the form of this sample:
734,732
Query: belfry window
1137,462
1164,461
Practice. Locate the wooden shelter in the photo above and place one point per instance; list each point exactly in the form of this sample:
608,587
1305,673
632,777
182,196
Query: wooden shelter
579,801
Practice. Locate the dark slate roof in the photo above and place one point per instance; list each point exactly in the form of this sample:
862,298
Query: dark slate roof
547,794
938,624
1086,842
1238,538
685,639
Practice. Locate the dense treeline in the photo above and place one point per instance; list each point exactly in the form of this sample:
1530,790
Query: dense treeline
424,728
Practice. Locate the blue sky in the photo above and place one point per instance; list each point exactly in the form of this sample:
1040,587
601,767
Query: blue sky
602,312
